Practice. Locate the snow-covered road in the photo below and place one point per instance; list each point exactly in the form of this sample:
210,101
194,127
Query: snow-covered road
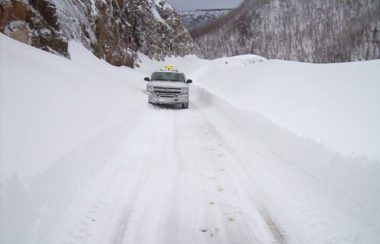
173,179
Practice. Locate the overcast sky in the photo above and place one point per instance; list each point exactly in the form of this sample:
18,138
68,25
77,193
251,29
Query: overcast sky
201,4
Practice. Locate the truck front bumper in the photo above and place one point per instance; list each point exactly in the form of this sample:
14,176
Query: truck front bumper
168,99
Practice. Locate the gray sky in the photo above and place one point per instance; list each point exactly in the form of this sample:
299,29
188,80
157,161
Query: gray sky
196,4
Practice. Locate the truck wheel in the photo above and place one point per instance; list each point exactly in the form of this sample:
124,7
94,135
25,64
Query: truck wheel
185,105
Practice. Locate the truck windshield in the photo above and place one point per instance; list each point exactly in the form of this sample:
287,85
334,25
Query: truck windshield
168,76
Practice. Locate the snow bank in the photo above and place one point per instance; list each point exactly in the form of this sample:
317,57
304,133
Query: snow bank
54,117
337,105
311,193
45,98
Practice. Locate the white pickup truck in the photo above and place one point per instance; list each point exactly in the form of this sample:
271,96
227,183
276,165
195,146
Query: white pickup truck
168,87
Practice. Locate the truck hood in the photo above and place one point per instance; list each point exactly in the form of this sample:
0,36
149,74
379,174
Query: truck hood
168,84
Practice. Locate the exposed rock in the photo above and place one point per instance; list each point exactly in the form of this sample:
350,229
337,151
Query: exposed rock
19,30
115,30
169,37
21,21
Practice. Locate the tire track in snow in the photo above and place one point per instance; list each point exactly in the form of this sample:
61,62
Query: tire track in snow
190,195
137,186
240,188
173,181
104,193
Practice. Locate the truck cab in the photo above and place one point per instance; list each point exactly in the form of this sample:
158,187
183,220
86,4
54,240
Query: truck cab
168,86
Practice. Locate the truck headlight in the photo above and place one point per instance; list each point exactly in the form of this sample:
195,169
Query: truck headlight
185,90
149,89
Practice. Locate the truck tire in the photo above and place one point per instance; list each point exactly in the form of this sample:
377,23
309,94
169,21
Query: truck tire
185,105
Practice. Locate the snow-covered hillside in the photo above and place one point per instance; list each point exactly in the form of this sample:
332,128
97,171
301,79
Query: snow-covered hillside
301,30
198,17
263,154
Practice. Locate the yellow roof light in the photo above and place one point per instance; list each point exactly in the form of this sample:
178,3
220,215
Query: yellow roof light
169,67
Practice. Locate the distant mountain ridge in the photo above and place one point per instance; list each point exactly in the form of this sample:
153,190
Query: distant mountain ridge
303,30
115,30
199,17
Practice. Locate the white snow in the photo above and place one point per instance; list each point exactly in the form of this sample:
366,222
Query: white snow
50,108
261,156
57,100
337,105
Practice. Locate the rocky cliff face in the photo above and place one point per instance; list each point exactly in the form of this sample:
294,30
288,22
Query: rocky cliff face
304,30
34,22
115,30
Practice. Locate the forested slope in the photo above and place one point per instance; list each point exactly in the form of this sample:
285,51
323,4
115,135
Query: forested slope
303,30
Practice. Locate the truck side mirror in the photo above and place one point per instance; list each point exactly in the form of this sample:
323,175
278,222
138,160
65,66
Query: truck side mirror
189,81
146,79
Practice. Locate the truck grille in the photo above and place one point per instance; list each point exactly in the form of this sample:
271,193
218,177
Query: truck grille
166,91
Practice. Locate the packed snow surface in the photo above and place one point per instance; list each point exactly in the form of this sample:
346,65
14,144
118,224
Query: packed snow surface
268,152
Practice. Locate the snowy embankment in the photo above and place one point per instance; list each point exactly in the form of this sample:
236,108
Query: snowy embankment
58,125
260,156
337,105
46,98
